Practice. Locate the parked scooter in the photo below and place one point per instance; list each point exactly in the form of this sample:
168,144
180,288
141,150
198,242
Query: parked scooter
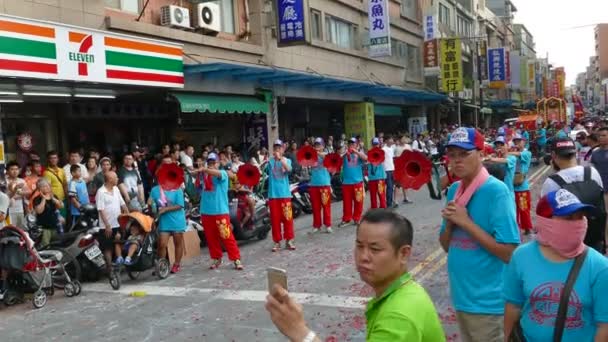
259,224
300,198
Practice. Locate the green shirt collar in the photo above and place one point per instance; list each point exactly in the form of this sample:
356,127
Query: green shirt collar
405,277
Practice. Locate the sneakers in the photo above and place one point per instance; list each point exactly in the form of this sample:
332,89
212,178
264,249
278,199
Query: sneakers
215,264
343,224
238,265
407,201
314,231
290,245
328,230
128,261
277,247
119,261
357,223
176,268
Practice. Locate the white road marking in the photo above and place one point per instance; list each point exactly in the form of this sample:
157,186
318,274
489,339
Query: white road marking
233,295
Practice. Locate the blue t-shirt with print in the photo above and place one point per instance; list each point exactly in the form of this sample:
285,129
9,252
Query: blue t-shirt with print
534,284
214,200
172,221
352,170
375,172
319,175
474,273
526,136
510,172
278,179
525,158
78,189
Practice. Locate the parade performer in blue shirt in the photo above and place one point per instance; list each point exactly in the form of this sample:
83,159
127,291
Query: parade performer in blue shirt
215,214
320,191
279,203
377,181
523,199
353,192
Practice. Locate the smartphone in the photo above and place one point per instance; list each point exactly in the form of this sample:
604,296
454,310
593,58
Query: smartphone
276,276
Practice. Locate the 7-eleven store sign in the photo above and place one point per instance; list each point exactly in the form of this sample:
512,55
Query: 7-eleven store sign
39,49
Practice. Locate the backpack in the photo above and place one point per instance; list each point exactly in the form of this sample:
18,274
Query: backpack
589,192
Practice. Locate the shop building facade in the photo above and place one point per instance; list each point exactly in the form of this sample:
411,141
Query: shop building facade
297,90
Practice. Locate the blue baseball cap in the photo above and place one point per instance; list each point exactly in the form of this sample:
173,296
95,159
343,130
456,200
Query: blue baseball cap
319,141
212,156
352,140
499,139
560,203
517,136
501,131
375,141
467,139
278,142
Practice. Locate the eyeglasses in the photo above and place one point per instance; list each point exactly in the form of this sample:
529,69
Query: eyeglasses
459,155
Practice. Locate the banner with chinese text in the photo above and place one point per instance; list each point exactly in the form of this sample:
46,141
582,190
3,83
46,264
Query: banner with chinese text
560,78
497,72
379,29
291,22
429,28
451,65
483,60
359,121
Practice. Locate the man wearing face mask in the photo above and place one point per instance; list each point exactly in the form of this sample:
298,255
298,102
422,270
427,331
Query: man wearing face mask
536,278
584,182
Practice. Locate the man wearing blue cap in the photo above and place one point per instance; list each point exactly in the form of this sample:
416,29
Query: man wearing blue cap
353,192
215,214
377,181
479,233
506,160
279,198
320,191
536,277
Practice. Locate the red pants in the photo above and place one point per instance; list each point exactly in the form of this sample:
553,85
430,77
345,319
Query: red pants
281,213
320,196
352,193
377,189
522,201
218,231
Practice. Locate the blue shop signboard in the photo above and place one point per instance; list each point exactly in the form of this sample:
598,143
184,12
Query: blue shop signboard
496,65
291,22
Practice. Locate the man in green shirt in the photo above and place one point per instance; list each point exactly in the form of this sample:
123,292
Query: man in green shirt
401,311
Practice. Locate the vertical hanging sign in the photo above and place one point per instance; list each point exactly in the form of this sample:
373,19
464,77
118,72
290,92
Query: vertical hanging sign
291,22
429,28
451,65
483,60
496,68
379,29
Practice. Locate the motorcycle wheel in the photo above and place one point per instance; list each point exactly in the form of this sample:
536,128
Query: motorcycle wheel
201,236
115,280
263,234
297,209
133,275
71,267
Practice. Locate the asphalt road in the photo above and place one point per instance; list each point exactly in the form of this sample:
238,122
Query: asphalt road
226,305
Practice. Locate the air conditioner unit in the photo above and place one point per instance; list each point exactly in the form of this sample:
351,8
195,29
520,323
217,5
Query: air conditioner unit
208,17
175,16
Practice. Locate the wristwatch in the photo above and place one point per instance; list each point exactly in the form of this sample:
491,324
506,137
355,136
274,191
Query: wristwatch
310,337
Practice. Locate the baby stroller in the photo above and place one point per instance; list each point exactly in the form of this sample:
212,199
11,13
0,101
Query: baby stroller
146,257
30,271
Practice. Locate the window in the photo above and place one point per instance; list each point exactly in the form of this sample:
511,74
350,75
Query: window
413,67
463,26
316,24
340,32
399,51
124,5
409,8
227,14
444,15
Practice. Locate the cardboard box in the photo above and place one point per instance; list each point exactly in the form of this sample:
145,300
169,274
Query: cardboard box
192,247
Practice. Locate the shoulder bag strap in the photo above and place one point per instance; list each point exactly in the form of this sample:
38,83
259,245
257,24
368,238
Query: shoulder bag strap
56,176
558,179
562,310
587,174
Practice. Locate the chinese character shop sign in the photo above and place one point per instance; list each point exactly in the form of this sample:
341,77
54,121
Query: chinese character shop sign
429,28
291,22
44,50
497,71
379,29
451,65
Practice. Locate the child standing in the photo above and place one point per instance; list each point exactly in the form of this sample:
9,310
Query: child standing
77,193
